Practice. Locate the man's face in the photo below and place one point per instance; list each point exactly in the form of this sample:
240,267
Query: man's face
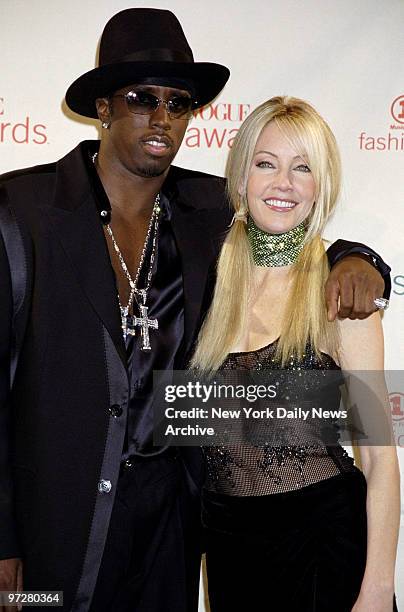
143,144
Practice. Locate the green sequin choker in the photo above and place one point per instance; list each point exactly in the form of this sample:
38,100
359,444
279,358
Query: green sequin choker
274,250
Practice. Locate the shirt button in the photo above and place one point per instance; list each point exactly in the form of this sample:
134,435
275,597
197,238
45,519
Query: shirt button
115,410
104,486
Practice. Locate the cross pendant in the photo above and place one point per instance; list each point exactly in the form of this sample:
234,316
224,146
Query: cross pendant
145,324
126,322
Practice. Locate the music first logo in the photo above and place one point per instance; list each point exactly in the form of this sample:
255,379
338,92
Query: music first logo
392,140
22,131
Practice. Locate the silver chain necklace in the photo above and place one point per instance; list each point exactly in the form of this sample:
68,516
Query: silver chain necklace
130,322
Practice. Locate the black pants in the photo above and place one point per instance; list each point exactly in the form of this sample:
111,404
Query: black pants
301,551
152,554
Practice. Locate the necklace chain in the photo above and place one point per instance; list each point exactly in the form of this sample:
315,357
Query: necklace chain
134,290
129,323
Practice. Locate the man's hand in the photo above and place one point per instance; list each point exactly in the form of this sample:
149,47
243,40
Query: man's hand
10,580
352,286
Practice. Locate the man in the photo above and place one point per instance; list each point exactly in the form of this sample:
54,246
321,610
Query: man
116,260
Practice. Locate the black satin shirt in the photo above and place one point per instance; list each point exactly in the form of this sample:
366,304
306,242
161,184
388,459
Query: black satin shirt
165,302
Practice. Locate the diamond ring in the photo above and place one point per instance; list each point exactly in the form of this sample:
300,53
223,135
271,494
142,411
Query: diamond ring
381,303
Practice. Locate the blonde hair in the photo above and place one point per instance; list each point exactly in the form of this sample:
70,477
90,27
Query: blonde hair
305,318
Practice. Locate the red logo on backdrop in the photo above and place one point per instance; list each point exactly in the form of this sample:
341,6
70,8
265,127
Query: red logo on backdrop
22,131
392,140
397,109
216,125
397,405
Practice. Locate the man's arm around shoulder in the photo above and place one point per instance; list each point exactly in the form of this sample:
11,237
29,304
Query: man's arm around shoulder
358,276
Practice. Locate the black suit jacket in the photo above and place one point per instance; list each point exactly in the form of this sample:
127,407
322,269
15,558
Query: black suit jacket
72,364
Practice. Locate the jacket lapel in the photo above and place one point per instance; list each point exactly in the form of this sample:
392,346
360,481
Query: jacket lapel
191,223
76,221
196,252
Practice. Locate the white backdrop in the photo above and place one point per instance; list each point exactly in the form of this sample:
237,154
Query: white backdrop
345,57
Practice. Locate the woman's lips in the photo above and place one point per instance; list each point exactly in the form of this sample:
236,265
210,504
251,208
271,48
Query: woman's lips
280,205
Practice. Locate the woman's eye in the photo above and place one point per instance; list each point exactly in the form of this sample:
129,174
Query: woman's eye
303,168
264,164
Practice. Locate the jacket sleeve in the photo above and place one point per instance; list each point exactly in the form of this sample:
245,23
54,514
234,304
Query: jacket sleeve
341,248
8,534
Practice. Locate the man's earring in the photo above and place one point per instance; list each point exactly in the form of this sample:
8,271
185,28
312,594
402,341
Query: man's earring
106,124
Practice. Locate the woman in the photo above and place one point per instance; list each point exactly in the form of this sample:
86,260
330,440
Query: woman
294,526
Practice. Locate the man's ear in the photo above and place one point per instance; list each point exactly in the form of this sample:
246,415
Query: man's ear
103,109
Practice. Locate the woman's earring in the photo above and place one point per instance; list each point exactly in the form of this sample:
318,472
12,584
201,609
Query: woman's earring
106,124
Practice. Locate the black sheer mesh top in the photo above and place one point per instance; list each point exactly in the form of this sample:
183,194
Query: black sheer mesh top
284,454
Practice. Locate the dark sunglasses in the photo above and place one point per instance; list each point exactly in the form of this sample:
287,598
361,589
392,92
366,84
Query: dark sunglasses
145,103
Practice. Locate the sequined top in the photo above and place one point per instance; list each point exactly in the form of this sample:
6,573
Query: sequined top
297,453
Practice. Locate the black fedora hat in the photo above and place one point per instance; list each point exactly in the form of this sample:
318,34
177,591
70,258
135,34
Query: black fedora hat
140,43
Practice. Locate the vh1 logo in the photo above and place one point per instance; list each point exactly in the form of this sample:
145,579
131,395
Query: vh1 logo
397,109
397,405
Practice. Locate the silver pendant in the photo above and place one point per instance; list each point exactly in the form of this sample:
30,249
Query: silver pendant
145,324
126,322
130,323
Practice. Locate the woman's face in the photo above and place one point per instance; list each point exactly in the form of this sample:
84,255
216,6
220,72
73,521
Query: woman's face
280,186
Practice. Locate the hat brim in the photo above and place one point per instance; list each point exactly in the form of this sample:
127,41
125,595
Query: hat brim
208,80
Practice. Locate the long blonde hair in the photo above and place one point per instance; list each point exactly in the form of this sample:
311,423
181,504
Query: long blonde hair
305,317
